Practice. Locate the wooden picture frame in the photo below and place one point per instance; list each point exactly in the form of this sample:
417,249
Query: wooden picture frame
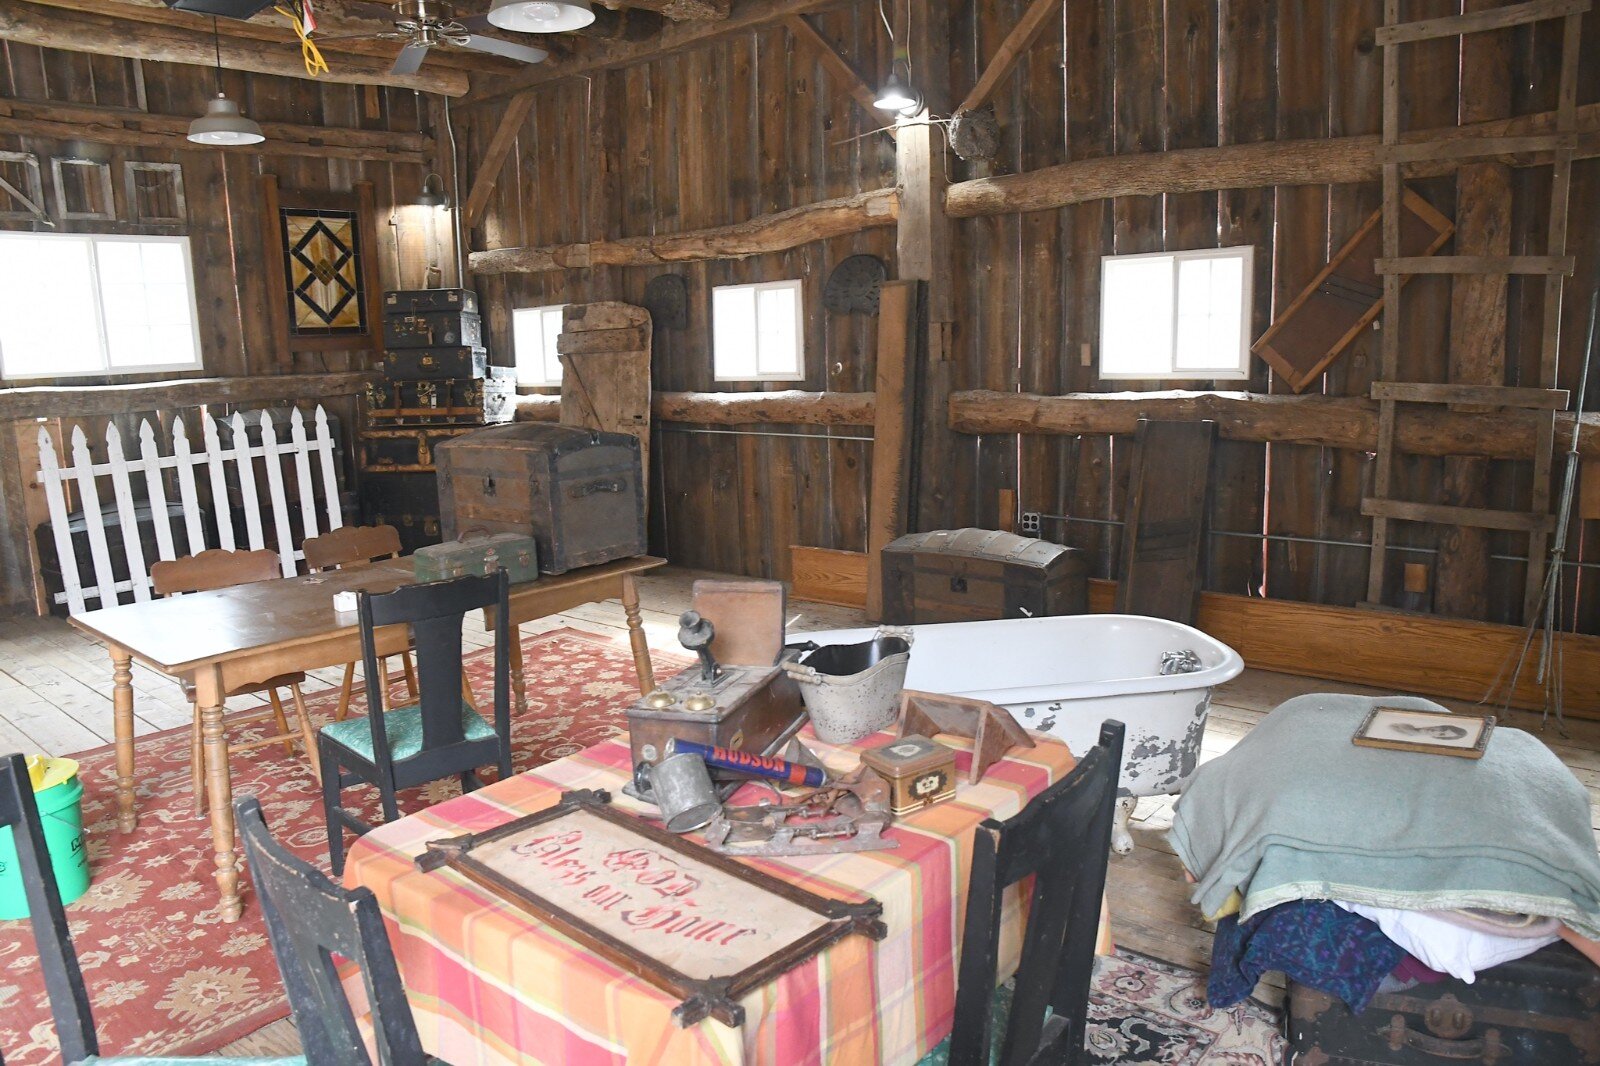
1381,726
646,885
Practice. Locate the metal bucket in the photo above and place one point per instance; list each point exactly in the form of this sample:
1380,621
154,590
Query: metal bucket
853,690
683,790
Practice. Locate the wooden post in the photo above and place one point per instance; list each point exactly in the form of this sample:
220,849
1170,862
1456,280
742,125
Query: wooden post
274,280
888,510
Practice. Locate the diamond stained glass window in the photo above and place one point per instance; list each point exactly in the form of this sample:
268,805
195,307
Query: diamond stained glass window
323,266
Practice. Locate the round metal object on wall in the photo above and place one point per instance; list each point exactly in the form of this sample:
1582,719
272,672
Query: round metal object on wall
975,135
666,297
852,288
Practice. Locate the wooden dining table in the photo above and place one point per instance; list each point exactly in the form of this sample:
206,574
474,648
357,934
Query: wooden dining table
228,638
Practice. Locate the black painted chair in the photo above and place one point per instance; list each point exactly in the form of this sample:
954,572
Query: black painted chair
439,735
328,920
63,980
1063,840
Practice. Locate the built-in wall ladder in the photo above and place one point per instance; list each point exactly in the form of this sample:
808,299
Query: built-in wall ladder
1554,266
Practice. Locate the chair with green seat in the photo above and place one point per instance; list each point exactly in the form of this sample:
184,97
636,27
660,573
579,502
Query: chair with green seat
1062,839
438,736
63,980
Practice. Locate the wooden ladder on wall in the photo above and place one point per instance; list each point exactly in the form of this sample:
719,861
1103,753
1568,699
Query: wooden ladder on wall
1554,266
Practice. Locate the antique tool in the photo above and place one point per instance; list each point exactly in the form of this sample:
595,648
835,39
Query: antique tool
744,762
696,634
682,788
849,815
920,772
992,729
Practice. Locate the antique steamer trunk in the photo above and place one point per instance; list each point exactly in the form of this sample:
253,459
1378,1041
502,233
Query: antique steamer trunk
408,501
432,329
578,492
444,400
1542,1009
968,575
408,301
400,364
409,448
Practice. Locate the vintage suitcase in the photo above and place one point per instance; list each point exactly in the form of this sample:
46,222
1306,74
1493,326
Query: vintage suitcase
479,554
432,329
399,364
967,575
500,395
408,301
578,492
425,402
1543,1009
410,448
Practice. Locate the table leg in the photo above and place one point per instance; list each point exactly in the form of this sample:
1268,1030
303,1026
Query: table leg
219,790
636,639
519,683
122,718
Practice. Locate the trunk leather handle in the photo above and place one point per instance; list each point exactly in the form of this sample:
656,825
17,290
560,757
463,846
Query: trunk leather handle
1486,1049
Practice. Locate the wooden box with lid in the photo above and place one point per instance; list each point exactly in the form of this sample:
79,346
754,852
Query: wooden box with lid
920,772
969,575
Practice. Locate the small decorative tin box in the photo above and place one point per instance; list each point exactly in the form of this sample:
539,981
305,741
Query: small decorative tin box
920,772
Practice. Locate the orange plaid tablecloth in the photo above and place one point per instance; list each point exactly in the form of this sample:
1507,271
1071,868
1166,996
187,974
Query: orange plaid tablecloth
488,984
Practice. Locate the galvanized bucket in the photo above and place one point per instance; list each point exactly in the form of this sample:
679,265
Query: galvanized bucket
853,690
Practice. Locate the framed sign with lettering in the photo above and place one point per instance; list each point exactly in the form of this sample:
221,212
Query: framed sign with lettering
701,926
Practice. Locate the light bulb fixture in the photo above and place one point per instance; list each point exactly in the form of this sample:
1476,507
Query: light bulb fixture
897,96
540,16
433,194
223,123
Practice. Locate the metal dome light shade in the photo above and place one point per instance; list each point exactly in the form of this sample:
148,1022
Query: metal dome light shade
540,16
224,124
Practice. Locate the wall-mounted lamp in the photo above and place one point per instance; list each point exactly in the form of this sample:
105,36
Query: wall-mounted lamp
897,96
223,123
433,194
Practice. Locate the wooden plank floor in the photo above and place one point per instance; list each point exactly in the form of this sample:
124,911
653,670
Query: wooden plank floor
55,698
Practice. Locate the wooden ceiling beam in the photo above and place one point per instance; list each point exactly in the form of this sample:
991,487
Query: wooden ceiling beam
843,74
1018,41
95,33
494,158
677,10
742,16
115,125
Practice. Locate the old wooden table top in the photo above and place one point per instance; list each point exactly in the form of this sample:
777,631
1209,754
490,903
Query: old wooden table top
178,634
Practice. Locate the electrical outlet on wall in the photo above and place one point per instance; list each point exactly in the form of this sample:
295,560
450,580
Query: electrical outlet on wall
1030,522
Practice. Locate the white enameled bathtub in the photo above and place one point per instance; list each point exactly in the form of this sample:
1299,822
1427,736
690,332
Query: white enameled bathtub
1065,675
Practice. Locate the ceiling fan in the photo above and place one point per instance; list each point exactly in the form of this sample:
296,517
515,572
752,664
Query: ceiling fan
425,24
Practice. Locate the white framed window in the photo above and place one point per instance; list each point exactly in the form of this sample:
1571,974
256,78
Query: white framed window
92,303
1176,314
758,332
533,338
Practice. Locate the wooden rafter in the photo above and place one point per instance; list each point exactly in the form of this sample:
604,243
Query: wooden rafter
85,31
1018,41
494,157
843,74
765,233
108,125
747,15
682,10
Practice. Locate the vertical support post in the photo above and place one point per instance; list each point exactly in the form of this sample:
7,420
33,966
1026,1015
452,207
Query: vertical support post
889,506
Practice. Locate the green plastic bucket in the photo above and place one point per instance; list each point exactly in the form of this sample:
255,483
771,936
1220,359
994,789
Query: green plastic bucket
61,811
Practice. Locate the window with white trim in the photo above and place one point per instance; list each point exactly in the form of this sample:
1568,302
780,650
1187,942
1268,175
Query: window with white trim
758,332
533,337
1176,315
91,303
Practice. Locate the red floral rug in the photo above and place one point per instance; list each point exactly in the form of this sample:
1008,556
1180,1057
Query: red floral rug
166,977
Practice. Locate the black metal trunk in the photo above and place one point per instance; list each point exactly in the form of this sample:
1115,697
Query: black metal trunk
400,364
410,301
432,329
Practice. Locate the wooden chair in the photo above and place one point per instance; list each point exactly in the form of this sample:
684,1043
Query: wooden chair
438,736
217,568
63,980
1063,840
342,549
327,920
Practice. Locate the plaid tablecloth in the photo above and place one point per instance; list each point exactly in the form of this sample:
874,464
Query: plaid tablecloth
490,985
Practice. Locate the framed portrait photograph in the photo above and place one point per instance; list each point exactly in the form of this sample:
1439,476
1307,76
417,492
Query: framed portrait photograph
1433,732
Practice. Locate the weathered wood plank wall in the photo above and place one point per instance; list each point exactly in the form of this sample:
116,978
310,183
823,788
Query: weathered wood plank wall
748,125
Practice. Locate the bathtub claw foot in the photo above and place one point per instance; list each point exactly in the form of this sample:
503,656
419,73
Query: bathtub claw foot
1121,839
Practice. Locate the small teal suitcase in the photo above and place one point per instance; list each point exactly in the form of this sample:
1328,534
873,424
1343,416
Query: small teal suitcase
479,554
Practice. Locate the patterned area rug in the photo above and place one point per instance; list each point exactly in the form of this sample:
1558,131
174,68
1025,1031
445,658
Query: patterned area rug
164,975
1143,1010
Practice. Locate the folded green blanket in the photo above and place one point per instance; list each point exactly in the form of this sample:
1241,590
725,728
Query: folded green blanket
1296,811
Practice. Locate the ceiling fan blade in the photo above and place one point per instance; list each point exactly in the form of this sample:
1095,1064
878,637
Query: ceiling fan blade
409,59
495,46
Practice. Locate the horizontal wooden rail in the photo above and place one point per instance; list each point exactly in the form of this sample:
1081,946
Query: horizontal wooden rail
1494,18
1476,264
791,407
1474,148
1442,514
1333,422
88,401
757,236
1491,395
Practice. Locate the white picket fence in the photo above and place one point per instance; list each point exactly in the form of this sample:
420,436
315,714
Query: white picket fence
181,458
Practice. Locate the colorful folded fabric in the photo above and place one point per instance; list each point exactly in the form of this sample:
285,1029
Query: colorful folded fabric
1315,942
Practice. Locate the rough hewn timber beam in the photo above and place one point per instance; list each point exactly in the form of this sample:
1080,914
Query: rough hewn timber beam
678,10
744,15
757,236
494,157
843,74
1021,37
88,401
1332,422
125,126
83,31
1323,161
788,408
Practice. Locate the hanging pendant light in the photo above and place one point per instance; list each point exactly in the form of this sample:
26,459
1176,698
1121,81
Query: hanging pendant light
433,194
897,96
223,123
540,16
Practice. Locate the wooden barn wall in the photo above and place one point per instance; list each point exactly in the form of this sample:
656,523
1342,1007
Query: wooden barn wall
223,191
748,125
744,126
